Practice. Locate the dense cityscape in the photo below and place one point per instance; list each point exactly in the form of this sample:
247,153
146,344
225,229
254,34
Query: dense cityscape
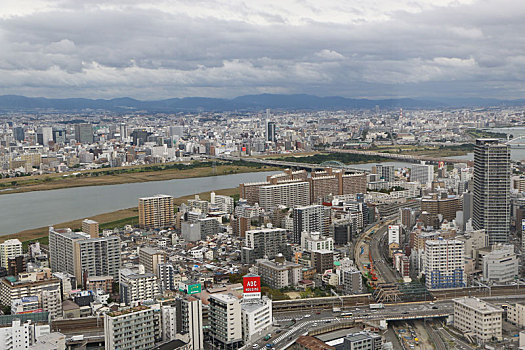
384,229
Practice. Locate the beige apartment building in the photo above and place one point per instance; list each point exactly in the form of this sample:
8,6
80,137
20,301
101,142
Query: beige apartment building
157,211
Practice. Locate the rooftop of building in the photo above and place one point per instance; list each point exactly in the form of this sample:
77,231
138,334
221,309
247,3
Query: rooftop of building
478,305
128,311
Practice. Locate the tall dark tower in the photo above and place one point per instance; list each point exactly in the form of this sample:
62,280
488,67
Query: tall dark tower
491,204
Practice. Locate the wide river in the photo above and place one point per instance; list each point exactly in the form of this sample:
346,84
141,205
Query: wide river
22,211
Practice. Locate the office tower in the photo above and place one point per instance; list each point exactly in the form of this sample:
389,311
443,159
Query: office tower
307,218
422,173
151,258
59,136
444,264
10,248
47,135
385,172
90,227
342,231
491,209
262,243
270,132
225,320
18,133
131,329
123,131
82,256
479,319
157,211
140,136
84,133
51,299
137,286
289,194
191,317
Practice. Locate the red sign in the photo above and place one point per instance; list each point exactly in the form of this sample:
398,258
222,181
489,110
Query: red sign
252,284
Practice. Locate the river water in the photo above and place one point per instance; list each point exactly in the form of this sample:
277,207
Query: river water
22,211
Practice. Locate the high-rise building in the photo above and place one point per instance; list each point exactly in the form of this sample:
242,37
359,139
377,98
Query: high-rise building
479,319
166,276
157,211
84,133
225,320
137,286
491,205
256,317
279,273
444,264
131,329
191,321
10,248
90,227
263,243
342,231
314,241
151,258
51,299
307,218
82,256
290,194
47,135
422,173
385,172
18,133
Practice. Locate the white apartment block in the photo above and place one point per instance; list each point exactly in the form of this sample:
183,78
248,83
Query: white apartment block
10,248
289,194
478,319
394,234
256,318
314,241
444,264
130,329
225,319
516,314
138,286
422,173
21,335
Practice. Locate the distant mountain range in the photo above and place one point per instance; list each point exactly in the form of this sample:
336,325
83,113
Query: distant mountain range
241,103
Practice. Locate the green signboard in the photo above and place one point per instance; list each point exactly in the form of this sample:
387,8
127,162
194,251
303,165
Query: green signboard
193,288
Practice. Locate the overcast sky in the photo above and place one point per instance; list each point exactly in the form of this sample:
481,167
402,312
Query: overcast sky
226,48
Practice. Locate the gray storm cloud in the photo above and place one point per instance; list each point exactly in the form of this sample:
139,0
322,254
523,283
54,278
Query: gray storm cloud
163,49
